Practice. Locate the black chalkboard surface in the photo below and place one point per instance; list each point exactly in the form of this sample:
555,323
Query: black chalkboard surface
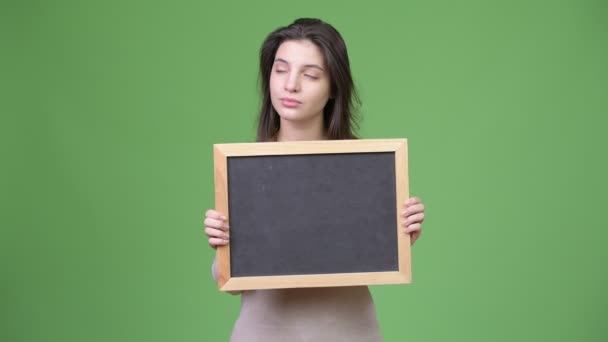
302,214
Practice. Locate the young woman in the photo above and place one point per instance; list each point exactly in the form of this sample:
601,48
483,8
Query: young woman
308,94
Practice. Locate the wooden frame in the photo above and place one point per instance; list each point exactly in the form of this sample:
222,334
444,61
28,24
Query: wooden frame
399,146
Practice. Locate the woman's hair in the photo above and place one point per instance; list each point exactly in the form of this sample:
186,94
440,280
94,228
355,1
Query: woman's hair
339,120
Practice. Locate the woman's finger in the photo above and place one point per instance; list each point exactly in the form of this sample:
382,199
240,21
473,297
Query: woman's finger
416,218
214,242
215,223
413,228
411,201
215,215
216,233
414,209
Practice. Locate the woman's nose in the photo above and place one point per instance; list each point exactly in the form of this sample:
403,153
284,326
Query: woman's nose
292,83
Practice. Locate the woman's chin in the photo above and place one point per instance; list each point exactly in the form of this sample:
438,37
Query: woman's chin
295,116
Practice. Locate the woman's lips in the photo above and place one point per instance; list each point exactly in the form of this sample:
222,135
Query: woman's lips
290,103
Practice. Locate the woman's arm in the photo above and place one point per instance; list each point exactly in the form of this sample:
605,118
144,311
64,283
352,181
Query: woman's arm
414,216
217,234
214,275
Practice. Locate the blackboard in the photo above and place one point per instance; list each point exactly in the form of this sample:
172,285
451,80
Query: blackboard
323,213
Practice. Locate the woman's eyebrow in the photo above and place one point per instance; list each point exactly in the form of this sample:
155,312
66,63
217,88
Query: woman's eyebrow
305,66
313,66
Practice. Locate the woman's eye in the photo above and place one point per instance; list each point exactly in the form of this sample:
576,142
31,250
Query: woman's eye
311,76
279,71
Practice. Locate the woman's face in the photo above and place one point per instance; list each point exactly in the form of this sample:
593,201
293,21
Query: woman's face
299,82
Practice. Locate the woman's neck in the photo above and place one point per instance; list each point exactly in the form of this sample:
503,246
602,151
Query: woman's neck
301,131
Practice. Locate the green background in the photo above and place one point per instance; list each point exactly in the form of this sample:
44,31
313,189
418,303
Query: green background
110,109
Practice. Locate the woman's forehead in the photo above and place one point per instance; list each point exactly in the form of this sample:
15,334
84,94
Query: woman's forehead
300,53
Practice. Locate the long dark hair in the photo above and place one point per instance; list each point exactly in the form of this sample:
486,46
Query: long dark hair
339,118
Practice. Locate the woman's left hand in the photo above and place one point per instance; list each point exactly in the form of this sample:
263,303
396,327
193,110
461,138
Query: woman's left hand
414,216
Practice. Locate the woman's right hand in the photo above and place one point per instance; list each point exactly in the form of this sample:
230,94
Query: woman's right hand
216,228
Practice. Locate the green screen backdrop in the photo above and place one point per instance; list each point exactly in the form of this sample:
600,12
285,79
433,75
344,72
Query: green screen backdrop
109,110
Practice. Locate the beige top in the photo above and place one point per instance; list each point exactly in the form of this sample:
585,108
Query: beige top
306,314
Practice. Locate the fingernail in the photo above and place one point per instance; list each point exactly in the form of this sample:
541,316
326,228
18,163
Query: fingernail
226,226
223,218
226,236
